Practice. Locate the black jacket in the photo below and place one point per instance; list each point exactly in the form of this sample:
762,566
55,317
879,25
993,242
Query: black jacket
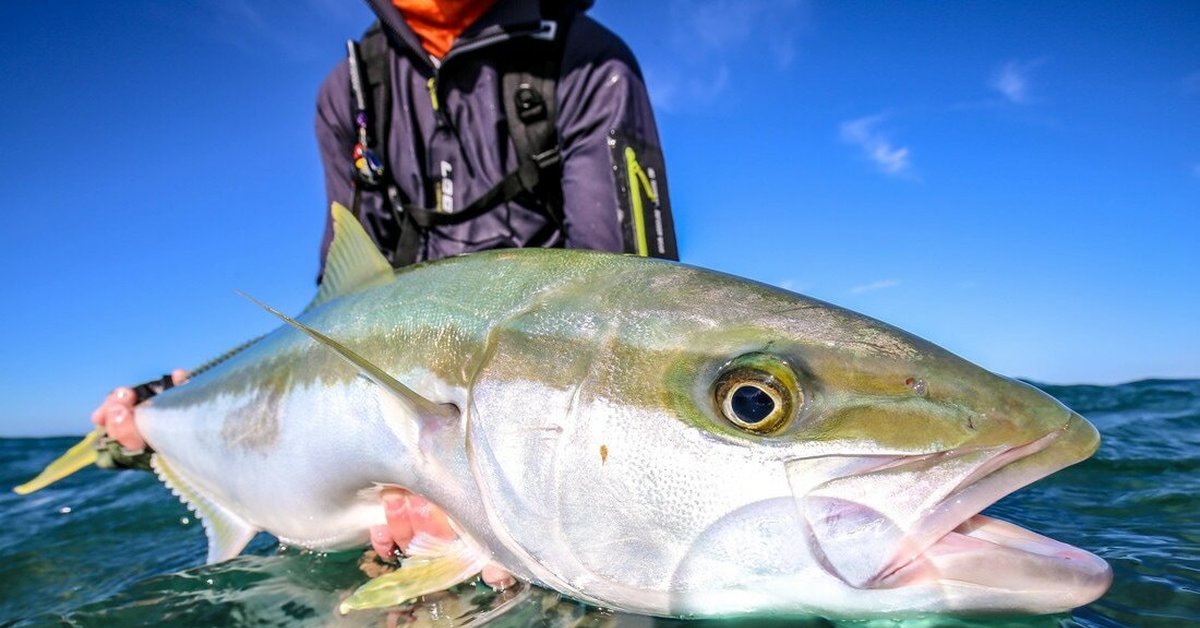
602,110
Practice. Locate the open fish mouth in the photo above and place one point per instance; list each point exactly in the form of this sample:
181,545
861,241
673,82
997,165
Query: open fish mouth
890,523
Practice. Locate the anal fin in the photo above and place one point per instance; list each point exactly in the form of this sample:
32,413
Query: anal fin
227,533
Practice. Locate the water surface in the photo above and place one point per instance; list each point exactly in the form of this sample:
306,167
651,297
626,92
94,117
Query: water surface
1135,504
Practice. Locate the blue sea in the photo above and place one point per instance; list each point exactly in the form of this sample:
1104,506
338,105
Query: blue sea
116,549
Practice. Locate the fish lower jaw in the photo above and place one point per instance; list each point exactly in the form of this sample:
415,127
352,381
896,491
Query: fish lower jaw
987,565
912,543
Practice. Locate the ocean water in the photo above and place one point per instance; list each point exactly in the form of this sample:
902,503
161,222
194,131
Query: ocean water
116,549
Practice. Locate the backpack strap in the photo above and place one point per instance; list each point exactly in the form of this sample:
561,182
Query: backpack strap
529,77
530,106
528,82
371,91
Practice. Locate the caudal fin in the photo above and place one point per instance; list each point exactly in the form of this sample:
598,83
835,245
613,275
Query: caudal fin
76,458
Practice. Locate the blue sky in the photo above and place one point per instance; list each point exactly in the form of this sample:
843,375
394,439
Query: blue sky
1018,182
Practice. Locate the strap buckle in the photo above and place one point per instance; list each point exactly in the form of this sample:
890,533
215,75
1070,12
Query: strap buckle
547,159
547,30
531,107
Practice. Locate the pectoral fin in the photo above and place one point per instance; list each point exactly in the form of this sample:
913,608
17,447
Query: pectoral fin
227,533
76,458
412,401
435,565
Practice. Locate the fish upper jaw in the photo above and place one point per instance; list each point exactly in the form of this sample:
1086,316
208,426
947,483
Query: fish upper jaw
883,522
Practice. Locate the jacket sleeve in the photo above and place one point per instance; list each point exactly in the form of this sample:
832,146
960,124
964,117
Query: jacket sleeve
614,180
335,140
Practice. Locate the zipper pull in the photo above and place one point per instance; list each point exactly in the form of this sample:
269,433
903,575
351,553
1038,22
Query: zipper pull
432,85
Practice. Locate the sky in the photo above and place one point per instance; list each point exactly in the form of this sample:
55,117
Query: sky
1016,182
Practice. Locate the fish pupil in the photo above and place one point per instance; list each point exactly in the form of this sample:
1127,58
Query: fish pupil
751,404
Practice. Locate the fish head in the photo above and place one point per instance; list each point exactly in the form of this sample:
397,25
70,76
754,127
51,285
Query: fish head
679,442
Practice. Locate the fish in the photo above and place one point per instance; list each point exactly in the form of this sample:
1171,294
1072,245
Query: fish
634,433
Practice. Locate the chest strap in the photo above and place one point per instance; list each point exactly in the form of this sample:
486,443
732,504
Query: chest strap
529,77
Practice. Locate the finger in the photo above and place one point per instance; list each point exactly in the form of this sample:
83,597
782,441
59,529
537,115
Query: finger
123,395
429,519
497,577
397,512
179,376
121,427
381,541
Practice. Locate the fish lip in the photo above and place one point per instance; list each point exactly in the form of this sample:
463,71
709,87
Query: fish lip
996,473
1069,576
951,508
989,475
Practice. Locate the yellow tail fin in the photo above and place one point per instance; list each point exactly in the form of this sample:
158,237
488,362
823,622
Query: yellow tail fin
76,458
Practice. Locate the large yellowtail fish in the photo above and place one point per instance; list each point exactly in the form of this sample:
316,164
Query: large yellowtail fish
634,433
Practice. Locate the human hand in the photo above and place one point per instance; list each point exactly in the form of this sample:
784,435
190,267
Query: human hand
115,414
408,514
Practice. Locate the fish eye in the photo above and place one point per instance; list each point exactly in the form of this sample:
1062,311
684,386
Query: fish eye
757,393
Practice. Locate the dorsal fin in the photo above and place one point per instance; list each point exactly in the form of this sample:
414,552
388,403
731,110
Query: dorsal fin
353,261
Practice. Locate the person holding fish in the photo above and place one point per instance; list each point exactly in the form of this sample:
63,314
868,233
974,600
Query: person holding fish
457,126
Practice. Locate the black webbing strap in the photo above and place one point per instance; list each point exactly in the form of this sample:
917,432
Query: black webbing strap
528,82
377,83
530,107
507,189
142,392
527,89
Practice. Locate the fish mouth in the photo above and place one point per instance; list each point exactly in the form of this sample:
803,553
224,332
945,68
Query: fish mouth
913,521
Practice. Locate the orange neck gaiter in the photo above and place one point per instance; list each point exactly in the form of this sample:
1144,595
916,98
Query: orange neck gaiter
439,22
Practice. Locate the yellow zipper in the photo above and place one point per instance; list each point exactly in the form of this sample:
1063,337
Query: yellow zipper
432,85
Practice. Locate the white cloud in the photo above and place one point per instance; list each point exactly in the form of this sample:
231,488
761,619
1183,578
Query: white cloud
1012,80
671,91
706,40
882,284
297,31
721,25
863,132
715,23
